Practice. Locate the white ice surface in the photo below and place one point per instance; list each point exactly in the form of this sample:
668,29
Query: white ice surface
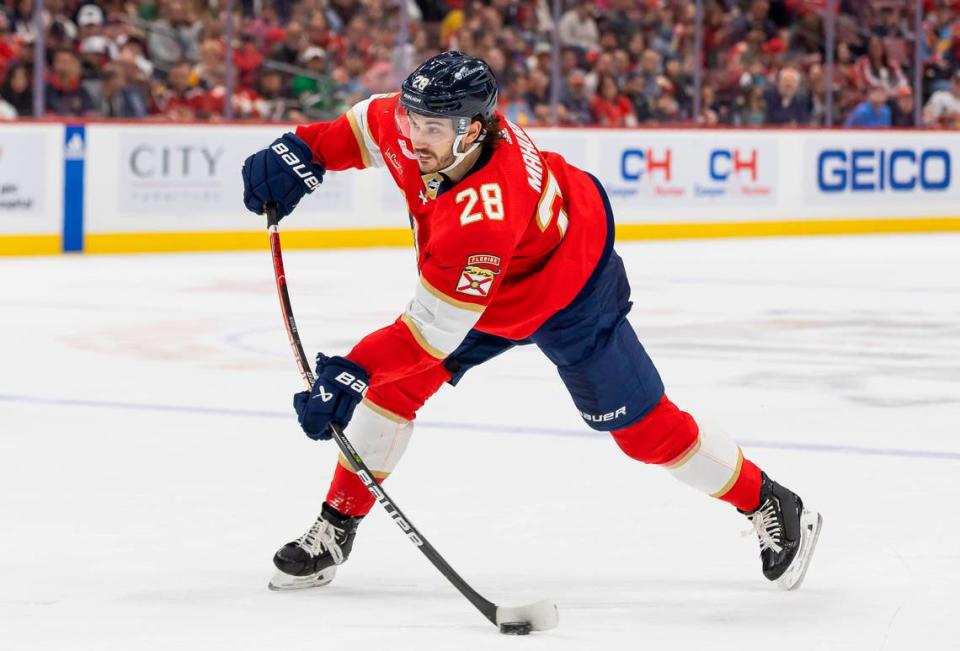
150,462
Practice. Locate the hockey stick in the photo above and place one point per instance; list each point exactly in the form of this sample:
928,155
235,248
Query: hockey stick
519,620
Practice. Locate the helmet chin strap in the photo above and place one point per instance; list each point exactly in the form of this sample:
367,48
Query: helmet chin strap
457,155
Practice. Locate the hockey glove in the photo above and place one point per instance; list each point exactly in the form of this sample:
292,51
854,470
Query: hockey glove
281,173
339,387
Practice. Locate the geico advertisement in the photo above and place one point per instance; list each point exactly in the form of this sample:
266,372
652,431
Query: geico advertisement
861,170
183,172
699,170
22,173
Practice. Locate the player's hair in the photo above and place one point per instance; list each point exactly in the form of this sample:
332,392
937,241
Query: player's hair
492,126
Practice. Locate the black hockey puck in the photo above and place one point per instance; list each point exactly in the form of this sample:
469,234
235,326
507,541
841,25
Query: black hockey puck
516,628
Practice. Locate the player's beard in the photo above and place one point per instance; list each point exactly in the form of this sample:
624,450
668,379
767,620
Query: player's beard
432,164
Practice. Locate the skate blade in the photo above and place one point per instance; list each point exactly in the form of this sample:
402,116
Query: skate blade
282,581
810,524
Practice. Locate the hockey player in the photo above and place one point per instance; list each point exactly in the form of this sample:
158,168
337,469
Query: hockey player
514,247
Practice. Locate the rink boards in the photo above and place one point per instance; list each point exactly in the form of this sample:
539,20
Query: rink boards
125,188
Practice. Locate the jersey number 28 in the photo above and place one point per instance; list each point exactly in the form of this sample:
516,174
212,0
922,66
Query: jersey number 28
489,197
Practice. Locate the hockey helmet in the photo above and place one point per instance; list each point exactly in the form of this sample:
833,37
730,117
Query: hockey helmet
450,86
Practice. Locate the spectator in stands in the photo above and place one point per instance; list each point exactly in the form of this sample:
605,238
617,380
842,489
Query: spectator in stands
176,36
666,110
178,99
96,52
876,69
538,96
16,92
513,105
247,59
211,66
578,28
315,89
350,79
649,75
871,113
901,108
602,67
64,93
576,101
757,18
272,102
710,108
288,50
642,108
943,107
119,99
892,23
89,21
609,108
753,113
784,103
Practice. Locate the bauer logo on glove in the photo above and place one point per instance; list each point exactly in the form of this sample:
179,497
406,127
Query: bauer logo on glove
339,388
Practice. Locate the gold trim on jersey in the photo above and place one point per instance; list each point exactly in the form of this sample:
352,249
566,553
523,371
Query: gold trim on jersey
421,340
463,305
733,480
358,134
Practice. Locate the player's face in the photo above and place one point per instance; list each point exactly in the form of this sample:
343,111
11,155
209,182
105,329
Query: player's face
432,139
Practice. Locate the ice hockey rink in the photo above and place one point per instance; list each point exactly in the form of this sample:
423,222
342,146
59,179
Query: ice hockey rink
150,462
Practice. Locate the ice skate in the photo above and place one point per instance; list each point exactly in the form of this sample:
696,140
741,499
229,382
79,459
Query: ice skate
788,534
312,559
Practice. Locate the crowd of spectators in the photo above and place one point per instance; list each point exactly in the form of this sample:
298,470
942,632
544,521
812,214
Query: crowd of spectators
622,63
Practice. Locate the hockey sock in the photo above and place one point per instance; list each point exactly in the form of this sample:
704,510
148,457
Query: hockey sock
347,493
706,460
380,437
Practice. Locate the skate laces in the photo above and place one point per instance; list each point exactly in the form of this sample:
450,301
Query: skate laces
321,537
766,526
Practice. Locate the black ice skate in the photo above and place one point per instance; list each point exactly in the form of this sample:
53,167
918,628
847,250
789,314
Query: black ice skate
788,534
312,559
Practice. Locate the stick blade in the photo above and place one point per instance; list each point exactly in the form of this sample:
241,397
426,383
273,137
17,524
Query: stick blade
542,616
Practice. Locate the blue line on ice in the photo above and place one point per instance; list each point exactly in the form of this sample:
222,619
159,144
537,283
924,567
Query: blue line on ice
256,413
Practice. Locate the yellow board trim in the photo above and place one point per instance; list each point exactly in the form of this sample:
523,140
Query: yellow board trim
784,228
30,244
244,241
167,242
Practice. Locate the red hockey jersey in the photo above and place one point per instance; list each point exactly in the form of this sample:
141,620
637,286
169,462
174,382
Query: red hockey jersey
502,250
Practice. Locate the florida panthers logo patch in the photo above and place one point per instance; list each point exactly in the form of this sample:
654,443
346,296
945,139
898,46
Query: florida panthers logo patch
477,277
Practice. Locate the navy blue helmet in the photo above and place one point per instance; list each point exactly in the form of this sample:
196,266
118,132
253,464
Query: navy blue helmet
451,85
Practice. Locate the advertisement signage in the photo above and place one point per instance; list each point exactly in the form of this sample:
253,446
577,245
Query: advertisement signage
184,173
692,172
855,170
23,169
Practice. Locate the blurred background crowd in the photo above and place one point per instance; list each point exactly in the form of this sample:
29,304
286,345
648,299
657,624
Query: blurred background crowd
611,62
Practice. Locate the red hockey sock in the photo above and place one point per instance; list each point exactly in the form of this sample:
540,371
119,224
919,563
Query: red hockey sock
745,492
347,493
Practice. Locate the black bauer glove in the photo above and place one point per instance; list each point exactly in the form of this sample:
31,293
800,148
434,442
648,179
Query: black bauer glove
339,388
281,173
